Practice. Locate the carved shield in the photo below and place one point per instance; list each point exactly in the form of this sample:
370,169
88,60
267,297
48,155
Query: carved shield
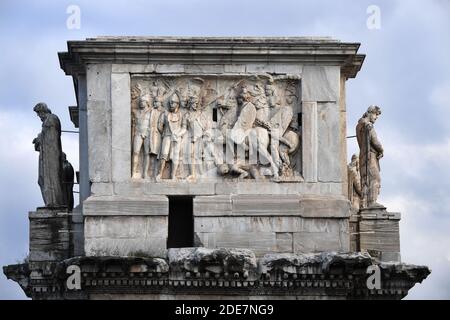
280,120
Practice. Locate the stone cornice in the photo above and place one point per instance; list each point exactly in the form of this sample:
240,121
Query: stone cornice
211,50
326,274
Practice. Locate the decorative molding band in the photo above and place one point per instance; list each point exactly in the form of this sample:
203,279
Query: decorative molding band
149,50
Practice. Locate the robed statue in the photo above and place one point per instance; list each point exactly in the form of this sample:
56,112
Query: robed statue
354,183
48,144
68,181
371,151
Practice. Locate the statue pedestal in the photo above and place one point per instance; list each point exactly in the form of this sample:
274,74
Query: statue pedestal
379,233
49,234
49,244
354,231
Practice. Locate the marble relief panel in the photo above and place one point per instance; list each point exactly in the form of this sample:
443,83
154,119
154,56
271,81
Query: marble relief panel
192,128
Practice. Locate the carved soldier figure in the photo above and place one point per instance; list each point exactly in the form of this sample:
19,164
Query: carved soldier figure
371,151
272,95
290,93
259,136
172,125
290,142
279,124
184,91
239,134
354,183
67,182
199,127
48,143
136,92
157,90
141,137
227,107
154,138
289,146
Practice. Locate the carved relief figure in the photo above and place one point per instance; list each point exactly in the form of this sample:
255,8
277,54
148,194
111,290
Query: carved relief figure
371,151
240,132
154,134
172,125
279,123
48,144
227,108
291,141
157,90
199,128
290,94
260,138
136,92
184,91
271,91
141,138
354,183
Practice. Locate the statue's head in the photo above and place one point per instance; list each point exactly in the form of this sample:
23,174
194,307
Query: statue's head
259,96
195,93
271,93
63,156
244,94
372,113
355,160
174,102
144,102
42,110
270,88
290,94
154,89
194,101
157,102
228,101
136,91
223,169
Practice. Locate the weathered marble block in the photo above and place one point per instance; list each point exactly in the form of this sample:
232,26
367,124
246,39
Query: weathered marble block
126,227
275,223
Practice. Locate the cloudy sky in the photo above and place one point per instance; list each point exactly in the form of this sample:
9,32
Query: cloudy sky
406,72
